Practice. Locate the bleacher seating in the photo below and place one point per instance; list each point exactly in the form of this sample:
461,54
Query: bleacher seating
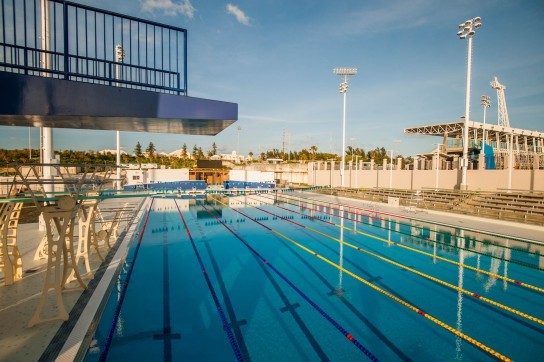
515,206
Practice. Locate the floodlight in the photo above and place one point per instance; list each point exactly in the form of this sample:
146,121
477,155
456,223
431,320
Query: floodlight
345,71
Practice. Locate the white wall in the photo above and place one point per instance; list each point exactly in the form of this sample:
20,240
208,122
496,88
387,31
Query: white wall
484,180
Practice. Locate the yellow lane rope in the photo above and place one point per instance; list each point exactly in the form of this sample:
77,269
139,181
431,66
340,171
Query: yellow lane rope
435,241
494,275
386,293
367,211
424,275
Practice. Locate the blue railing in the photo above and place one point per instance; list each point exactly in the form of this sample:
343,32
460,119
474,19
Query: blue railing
80,43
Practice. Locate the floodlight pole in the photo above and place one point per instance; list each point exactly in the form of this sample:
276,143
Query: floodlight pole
467,31
343,89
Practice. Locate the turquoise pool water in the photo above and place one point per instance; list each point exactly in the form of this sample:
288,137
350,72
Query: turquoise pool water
269,278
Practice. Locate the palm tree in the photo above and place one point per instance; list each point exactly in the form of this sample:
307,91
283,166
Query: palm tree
314,150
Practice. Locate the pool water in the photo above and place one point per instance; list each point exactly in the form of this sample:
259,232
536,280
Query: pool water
269,278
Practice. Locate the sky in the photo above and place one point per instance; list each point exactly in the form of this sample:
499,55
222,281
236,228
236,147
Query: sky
275,59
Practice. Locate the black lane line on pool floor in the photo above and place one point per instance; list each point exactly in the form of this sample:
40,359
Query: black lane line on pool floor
226,327
341,329
235,324
512,317
350,306
347,303
166,334
289,307
500,310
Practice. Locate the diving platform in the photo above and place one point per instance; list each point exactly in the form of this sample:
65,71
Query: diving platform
81,67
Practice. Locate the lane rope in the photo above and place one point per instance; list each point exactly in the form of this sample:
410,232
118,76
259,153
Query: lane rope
226,326
331,320
504,236
368,212
401,245
434,241
413,270
384,292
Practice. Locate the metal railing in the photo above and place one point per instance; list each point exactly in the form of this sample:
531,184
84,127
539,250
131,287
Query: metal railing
61,39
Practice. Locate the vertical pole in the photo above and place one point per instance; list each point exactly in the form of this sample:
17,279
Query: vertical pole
29,145
47,133
510,162
464,184
185,62
118,161
437,164
391,172
343,136
483,136
356,171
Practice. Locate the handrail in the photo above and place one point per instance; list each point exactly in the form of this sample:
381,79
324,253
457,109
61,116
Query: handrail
81,45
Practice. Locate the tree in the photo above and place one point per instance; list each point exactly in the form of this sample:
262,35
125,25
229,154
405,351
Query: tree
250,154
195,152
314,150
214,149
184,151
138,150
150,150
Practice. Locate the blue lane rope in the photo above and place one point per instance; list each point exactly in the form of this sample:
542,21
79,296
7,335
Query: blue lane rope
331,320
111,332
226,327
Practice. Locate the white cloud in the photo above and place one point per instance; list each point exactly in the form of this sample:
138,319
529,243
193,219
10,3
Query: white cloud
169,7
239,14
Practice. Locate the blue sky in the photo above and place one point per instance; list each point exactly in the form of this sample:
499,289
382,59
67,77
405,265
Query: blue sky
275,59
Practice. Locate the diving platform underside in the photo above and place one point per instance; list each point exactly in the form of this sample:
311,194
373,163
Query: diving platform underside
33,101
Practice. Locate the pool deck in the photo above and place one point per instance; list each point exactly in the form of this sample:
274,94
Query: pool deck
18,301
43,341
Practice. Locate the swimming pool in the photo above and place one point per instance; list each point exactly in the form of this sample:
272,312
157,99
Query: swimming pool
286,278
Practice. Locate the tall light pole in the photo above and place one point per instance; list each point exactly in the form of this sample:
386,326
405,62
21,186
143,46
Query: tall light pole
343,89
486,103
238,129
467,31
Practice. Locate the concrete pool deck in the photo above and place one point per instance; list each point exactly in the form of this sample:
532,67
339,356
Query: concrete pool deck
43,342
18,301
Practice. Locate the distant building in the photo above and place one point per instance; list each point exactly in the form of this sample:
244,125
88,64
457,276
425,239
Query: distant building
274,161
232,157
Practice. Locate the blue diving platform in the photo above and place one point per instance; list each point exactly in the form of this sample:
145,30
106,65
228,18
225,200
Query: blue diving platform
68,65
